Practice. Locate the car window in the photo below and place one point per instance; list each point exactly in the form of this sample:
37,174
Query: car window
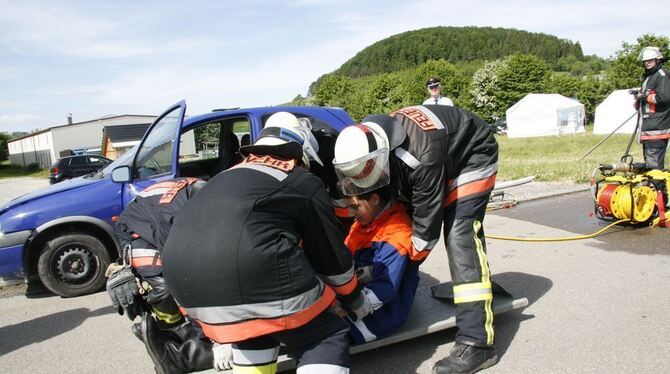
155,155
97,161
78,161
200,143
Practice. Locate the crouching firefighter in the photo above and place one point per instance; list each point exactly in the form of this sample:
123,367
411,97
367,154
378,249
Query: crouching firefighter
443,163
137,286
256,258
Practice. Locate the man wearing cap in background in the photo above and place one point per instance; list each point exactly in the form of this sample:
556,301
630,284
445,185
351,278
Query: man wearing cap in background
256,258
435,92
653,102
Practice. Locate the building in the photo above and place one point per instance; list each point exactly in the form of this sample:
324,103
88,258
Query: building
116,140
46,146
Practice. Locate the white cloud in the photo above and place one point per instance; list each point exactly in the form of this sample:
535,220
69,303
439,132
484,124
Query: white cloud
139,57
21,122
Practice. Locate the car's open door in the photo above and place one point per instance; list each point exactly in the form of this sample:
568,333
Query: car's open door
155,159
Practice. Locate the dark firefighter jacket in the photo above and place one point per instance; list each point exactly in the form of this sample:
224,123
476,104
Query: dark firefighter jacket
449,154
655,107
149,216
250,253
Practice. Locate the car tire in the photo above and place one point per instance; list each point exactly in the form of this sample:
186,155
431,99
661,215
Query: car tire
73,264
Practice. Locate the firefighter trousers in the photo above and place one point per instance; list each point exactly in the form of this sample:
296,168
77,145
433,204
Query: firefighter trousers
654,153
321,347
469,267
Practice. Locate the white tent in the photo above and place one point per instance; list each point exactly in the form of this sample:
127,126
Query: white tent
543,115
613,111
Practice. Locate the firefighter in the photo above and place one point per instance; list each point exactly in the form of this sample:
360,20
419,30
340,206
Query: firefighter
256,257
443,163
653,102
174,344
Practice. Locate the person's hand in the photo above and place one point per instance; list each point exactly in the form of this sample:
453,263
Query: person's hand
364,274
360,308
338,310
122,289
640,96
223,356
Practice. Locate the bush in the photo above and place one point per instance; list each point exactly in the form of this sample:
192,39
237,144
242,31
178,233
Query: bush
33,166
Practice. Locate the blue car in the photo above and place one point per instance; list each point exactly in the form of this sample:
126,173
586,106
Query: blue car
63,235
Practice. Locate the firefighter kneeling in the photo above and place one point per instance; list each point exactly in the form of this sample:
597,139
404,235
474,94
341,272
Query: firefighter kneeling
137,287
256,258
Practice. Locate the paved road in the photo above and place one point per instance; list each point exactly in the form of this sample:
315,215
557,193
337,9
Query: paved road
596,306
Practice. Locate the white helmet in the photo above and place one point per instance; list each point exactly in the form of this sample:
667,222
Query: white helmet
286,136
649,53
362,159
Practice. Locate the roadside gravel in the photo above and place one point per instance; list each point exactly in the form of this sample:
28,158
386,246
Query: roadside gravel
11,188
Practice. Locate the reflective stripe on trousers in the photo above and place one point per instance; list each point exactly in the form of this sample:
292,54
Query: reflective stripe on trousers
468,264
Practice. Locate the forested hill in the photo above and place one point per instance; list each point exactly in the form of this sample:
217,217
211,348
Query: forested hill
454,44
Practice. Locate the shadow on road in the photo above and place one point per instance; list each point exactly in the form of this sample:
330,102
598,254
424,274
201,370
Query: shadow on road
408,356
43,328
530,286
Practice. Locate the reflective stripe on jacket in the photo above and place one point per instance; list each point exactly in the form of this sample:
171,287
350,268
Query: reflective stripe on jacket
448,154
252,251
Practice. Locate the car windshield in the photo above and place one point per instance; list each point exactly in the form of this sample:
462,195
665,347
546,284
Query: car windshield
125,159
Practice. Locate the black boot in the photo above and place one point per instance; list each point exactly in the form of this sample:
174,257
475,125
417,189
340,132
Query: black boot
157,343
193,352
136,329
466,359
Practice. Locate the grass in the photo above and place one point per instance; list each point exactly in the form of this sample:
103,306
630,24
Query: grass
8,170
556,158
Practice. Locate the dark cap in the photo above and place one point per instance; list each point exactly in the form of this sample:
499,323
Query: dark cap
432,82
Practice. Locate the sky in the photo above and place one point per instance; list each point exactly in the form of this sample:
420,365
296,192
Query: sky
96,58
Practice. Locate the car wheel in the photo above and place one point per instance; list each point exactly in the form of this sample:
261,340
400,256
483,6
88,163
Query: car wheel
73,264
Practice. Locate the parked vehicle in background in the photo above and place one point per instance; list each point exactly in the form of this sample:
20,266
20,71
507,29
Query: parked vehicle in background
63,235
500,126
76,166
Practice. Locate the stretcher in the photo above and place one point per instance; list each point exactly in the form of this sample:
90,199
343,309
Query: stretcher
433,310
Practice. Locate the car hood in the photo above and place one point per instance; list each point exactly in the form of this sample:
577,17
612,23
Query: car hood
53,189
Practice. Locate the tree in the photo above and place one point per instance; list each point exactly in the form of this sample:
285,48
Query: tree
4,151
385,94
484,88
626,71
523,74
333,90
564,84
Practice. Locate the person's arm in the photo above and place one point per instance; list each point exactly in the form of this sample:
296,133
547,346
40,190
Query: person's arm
388,270
323,245
428,184
661,94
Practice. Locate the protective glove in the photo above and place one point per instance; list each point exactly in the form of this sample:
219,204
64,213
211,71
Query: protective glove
364,274
360,308
641,96
122,289
223,356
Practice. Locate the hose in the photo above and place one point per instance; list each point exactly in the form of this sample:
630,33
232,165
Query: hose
578,237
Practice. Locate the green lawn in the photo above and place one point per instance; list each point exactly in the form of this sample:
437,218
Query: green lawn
555,158
9,171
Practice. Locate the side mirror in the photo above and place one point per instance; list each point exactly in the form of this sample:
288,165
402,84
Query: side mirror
121,174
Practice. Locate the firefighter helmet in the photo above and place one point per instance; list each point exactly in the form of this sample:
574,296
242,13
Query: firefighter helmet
362,159
649,53
286,136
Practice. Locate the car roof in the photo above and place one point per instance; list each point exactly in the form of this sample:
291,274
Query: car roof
331,112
